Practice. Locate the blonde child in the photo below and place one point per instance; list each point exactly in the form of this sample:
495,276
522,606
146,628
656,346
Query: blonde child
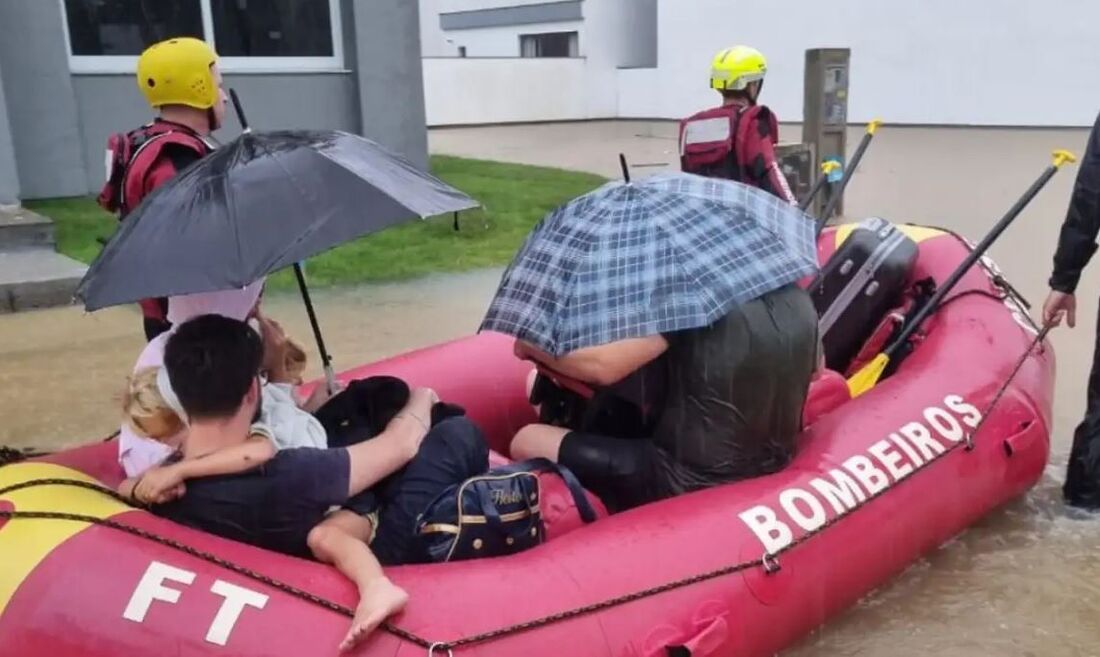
151,410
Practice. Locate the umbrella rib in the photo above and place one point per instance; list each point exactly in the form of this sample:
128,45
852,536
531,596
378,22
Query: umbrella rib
312,224
233,216
775,233
472,204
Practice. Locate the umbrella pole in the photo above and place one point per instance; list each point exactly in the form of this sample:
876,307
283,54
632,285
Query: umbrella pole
240,111
626,170
326,361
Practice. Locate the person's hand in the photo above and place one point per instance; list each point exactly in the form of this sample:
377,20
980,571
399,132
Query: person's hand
160,485
1059,305
417,412
523,350
420,402
320,396
275,342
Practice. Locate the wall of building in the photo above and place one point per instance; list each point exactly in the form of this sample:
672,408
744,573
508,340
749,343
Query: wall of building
639,33
59,121
1014,62
504,41
390,76
612,34
9,175
493,40
41,108
433,42
937,62
113,103
473,91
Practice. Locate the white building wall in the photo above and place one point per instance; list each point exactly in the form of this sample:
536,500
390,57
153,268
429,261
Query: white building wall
448,6
1010,62
953,62
637,24
465,91
476,91
480,42
504,41
433,43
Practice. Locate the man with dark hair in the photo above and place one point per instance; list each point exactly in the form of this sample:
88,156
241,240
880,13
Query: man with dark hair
282,504
213,365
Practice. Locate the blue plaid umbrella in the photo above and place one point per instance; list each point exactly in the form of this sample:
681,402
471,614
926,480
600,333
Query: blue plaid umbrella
670,252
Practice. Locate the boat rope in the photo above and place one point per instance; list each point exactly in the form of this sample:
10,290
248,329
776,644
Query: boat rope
768,562
997,277
1038,340
9,455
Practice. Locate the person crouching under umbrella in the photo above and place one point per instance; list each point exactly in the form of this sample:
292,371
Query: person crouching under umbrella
734,396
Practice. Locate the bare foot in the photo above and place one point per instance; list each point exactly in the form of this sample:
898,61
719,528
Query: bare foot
377,602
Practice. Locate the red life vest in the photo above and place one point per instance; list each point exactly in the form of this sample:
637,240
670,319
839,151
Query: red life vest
713,142
132,156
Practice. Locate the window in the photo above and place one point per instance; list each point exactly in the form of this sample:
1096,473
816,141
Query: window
548,44
106,27
272,28
106,36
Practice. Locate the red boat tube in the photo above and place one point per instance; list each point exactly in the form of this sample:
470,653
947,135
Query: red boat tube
879,481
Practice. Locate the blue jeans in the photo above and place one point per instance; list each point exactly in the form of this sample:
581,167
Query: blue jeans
453,451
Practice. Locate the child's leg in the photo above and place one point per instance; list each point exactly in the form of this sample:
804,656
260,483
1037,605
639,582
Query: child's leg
453,451
341,540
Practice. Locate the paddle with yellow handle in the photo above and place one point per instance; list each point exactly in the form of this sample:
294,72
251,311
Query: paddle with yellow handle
827,167
868,376
872,127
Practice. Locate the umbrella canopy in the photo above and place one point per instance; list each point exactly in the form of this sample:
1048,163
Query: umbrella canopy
670,252
265,201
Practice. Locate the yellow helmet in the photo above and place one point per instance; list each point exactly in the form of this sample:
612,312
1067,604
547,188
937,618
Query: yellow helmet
178,71
734,68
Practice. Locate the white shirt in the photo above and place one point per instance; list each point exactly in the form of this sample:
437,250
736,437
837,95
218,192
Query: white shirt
285,423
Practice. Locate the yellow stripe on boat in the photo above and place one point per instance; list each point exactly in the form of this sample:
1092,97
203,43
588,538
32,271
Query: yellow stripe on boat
25,543
916,233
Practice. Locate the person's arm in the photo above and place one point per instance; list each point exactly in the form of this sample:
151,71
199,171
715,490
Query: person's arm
1077,239
319,397
764,165
603,365
126,488
373,460
165,483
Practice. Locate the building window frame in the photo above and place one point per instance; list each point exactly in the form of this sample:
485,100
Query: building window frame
109,64
534,39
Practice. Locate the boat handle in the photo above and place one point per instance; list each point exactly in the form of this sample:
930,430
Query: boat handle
705,640
704,643
1019,440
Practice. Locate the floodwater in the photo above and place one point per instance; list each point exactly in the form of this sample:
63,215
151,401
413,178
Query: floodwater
63,370
1023,581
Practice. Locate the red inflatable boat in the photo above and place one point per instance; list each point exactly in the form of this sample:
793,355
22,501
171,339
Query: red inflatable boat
742,569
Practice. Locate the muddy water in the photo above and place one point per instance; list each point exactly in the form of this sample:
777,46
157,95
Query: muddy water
61,369
1024,581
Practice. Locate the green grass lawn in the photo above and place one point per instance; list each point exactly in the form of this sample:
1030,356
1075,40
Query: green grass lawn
514,197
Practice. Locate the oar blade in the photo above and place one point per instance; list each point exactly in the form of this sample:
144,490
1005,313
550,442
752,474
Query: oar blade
868,375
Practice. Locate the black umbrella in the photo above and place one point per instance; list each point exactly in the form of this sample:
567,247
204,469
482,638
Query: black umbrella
263,202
